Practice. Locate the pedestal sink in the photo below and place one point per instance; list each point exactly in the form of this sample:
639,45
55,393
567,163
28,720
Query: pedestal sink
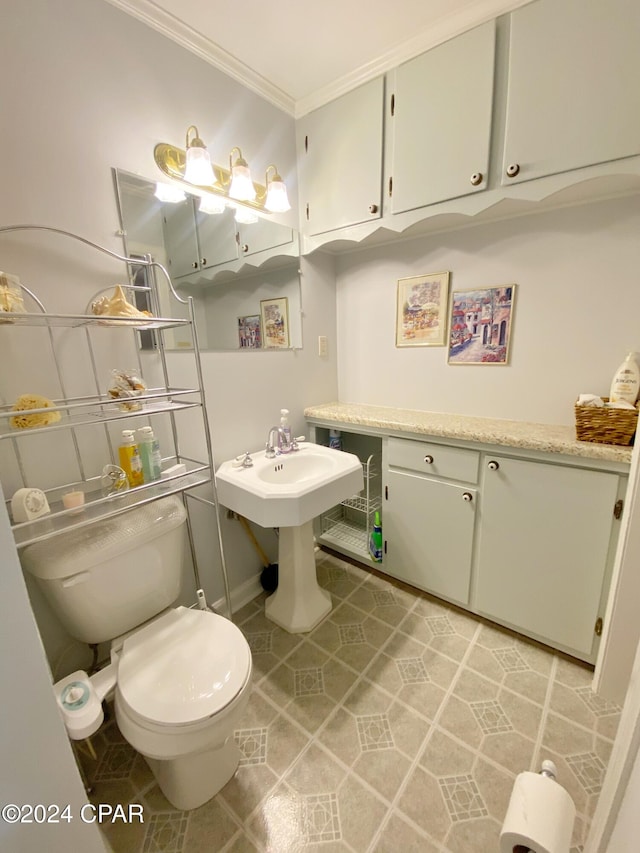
288,492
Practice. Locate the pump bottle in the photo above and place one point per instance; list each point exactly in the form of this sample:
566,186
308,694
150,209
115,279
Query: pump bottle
626,382
130,462
284,436
149,454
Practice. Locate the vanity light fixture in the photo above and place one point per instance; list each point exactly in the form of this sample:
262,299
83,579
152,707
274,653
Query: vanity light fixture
169,193
241,188
211,204
198,170
277,200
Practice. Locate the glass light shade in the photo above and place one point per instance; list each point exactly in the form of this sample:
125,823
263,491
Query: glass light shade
211,204
199,170
245,217
169,193
241,188
277,200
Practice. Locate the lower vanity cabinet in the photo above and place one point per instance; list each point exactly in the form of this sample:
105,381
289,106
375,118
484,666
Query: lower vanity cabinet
544,543
429,516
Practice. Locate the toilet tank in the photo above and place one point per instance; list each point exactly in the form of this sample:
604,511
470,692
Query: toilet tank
111,576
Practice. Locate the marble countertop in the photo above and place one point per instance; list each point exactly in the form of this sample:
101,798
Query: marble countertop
548,438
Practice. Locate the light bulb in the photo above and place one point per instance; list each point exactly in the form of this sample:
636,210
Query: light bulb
211,204
169,193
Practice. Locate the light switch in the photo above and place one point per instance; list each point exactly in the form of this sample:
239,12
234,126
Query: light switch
323,346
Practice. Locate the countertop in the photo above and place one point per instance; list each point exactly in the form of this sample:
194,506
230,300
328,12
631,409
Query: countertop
548,438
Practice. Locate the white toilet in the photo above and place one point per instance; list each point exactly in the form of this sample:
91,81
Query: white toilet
182,677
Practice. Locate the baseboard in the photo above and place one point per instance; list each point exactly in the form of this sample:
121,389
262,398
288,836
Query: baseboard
241,595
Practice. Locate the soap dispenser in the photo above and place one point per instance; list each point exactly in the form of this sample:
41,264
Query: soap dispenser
284,436
626,382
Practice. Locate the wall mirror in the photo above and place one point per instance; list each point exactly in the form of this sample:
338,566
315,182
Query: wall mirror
243,276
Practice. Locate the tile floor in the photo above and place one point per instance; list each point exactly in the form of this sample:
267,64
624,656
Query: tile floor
399,723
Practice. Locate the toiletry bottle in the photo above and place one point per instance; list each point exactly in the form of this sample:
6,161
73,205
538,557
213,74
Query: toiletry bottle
130,459
375,540
284,437
149,454
625,386
335,439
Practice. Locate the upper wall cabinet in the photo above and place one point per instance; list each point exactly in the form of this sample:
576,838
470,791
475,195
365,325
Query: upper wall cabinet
196,241
441,121
340,157
573,96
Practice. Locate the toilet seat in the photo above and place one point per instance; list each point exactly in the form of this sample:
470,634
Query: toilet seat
183,668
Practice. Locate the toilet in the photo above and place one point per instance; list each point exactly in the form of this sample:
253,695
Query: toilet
182,677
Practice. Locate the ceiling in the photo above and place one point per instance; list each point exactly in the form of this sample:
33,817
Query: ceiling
300,55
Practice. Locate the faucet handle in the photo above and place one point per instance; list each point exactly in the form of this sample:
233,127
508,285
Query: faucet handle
295,441
243,461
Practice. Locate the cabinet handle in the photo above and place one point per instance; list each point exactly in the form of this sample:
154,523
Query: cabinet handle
194,265
467,496
428,459
203,261
493,465
476,179
512,170
373,208
245,248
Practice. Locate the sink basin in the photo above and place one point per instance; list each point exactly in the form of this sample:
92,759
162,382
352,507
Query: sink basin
292,488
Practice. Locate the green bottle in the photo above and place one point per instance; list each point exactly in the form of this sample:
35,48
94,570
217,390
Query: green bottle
375,540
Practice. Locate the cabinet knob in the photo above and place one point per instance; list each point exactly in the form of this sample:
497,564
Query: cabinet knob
203,261
194,265
493,465
467,496
373,208
245,248
428,459
476,179
512,170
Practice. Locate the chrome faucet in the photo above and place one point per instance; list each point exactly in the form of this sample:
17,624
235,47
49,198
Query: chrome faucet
272,449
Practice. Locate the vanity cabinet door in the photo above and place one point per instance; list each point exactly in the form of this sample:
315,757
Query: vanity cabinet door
261,236
181,240
573,98
340,160
542,550
216,238
441,124
428,531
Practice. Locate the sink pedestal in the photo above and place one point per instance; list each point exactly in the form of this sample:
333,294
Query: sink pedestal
299,603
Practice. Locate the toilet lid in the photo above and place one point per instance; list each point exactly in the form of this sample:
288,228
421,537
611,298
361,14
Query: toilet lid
184,667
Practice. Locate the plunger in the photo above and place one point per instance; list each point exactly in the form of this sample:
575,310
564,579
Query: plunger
269,574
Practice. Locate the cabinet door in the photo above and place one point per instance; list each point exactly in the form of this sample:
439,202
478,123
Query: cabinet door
216,238
180,238
543,547
573,98
340,159
261,236
442,121
428,528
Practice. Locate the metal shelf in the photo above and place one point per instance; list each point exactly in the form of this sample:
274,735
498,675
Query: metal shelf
82,411
95,320
97,507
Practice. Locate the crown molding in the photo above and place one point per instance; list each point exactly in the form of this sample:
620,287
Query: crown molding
474,13
179,32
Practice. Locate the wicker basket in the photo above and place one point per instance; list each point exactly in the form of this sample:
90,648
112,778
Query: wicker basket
605,425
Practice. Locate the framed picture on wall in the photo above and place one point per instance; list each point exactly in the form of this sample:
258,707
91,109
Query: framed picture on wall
421,313
480,325
274,314
249,332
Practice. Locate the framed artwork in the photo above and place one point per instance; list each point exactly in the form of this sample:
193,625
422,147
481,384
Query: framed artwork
421,313
274,314
249,332
480,325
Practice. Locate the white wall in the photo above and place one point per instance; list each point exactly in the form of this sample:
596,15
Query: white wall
91,88
576,310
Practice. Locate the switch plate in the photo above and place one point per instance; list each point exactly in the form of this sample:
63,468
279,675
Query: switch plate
323,346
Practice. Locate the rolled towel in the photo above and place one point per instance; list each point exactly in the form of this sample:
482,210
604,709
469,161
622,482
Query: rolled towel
590,400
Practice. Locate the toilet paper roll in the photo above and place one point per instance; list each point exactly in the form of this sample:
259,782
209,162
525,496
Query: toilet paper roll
539,818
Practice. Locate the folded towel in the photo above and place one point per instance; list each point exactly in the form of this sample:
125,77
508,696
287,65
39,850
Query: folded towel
622,404
590,400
